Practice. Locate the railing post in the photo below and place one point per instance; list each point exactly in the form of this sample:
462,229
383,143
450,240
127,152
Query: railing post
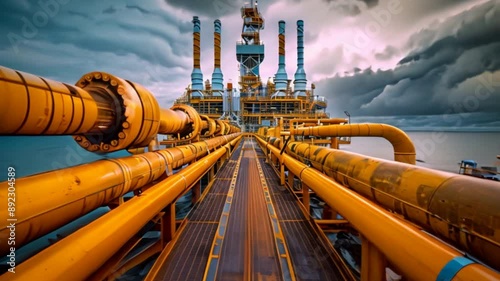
196,192
291,177
282,171
168,224
306,199
211,174
334,143
373,262
329,213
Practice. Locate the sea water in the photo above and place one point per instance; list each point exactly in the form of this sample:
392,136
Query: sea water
437,150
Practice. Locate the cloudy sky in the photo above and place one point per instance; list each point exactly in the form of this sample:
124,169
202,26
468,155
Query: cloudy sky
414,64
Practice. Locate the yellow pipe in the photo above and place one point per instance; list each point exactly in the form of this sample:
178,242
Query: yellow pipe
404,150
417,255
49,200
103,112
84,251
460,209
193,130
34,105
172,121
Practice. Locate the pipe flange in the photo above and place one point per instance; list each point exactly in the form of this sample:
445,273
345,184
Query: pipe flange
195,119
120,103
212,126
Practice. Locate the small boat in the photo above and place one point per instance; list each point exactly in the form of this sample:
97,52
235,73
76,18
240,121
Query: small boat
470,168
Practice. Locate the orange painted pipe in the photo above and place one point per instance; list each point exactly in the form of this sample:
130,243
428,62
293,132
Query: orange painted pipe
49,200
416,254
19,115
86,250
104,113
462,210
404,150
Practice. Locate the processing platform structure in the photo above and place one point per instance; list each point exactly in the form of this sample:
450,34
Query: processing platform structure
254,104
268,191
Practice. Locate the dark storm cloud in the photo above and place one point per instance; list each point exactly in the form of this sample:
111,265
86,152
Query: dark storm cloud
153,39
79,14
388,53
110,10
135,7
211,9
456,74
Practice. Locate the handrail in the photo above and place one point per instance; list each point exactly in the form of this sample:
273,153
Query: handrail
462,210
50,200
83,252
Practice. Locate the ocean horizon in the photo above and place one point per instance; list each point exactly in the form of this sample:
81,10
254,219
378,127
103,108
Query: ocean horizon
439,150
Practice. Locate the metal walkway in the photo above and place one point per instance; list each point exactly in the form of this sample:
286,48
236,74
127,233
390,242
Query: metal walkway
247,227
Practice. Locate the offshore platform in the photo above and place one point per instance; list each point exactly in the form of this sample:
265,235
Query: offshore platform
255,105
254,166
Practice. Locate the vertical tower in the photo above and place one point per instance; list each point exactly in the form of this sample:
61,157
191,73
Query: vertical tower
217,77
196,75
281,78
250,51
300,75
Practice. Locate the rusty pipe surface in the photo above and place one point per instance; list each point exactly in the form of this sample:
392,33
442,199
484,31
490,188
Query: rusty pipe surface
84,251
404,150
462,210
49,200
104,113
416,254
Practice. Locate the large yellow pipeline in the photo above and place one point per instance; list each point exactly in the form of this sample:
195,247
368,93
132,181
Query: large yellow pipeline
103,112
460,209
22,91
417,255
83,252
49,200
404,150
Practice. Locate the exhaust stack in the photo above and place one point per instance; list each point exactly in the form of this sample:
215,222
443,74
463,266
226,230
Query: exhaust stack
300,75
281,78
196,75
217,77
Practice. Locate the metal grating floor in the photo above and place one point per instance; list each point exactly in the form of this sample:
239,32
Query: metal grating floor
248,249
209,209
188,257
311,256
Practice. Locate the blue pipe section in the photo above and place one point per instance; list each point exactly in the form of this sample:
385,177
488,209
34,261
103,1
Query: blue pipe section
281,78
196,75
300,82
217,76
